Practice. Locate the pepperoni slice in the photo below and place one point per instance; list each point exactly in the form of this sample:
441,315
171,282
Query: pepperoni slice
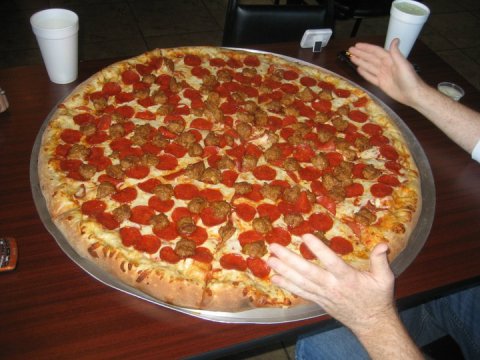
342,93
84,118
258,267
149,185
145,115
361,102
269,210
393,166
192,60
286,208
328,203
144,69
111,88
106,178
185,191
233,262
176,150
130,77
302,229
341,245
278,235
62,150
372,129
310,173
334,158
318,188
203,255
320,221
381,190
107,220
308,81
234,63
255,194
253,150
169,255
389,180
124,97
168,233
126,111
93,207
251,60
201,124
306,252
353,190
303,153
142,214
125,195
290,75
378,140
264,172
245,212
167,162
209,219
200,235
303,204
160,205
229,107
289,88
358,116
97,138
180,212
70,164
148,243
120,144
200,72
211,194
322,105
137,172
229,177
389,152
71,136
217,62
130,235
250,236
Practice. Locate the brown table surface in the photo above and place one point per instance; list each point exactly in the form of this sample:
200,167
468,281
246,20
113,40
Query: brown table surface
49,307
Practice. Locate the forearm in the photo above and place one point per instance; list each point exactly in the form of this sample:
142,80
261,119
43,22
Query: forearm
457,121
388,339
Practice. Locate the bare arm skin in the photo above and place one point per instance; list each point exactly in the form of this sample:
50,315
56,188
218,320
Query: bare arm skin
361,300
391,72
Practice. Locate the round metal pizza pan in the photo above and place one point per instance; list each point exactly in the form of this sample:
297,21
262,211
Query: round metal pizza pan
260,315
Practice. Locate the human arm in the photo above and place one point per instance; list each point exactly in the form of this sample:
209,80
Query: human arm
361,300
391,72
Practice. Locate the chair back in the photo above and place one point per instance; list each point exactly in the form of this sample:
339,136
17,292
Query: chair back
259,24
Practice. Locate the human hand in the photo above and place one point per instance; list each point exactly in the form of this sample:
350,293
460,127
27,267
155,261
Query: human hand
389,70
359,299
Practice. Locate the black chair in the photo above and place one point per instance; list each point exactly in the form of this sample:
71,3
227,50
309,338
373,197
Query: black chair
360,9
260,24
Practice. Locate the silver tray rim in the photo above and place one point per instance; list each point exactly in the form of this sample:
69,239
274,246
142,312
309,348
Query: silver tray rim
260,315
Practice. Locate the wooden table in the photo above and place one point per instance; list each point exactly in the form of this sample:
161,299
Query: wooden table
49,307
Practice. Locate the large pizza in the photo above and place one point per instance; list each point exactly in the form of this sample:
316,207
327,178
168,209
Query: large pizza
176,169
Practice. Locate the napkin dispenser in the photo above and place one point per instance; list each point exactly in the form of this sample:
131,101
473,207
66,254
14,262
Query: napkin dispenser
316,39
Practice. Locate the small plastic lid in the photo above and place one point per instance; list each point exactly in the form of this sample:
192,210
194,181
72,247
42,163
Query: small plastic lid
451,90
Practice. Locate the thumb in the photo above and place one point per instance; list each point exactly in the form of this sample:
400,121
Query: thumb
379,262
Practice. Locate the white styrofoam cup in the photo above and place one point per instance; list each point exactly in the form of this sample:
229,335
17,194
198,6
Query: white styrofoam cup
57,36
406,24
